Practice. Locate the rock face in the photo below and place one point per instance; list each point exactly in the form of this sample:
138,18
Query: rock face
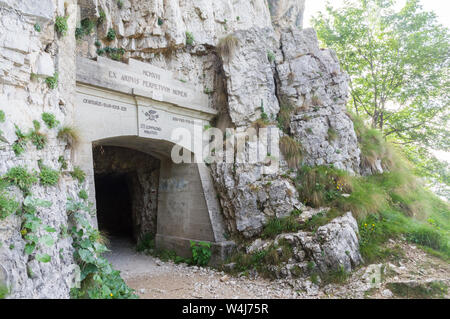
287,13
311,81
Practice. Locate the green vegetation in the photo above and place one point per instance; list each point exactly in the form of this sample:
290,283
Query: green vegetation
270,56
292,151
4,291
113,53
101,18
87,25
98,279
61,25
69,134
284,117
37,27
20,177
201,252
8,205
2,116
78,174
111,35
48,176
83,194
404,96
263,260
62,161
332,134
434,289
50,120
189,38
160,21
120,4
52,81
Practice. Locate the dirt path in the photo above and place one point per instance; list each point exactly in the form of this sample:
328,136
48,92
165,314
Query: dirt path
155,279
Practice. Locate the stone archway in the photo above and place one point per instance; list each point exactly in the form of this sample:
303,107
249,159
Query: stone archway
115,110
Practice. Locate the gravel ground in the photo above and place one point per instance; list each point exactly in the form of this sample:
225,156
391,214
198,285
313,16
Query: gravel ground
155,279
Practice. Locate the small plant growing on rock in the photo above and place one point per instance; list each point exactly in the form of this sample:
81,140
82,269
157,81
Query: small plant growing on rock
227,45
332,134
201,252
78,174
97,43
48,176
38,139
79,33
189,38
52,81
20,144
68,134
2,116
120,4
61,25
101,18
83,194
50,120
292,151
8,205
87,26
62,161
20,177
270,56
160,21
111,35
37,27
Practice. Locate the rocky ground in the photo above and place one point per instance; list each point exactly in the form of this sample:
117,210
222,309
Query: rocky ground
398,278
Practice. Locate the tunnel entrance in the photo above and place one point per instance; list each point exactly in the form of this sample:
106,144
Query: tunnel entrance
126,188
114,204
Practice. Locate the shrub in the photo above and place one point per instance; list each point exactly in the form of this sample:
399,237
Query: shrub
52,81
227,45
292,151
61,25
50,120
78,174
69,134
201,252
48,176
189,38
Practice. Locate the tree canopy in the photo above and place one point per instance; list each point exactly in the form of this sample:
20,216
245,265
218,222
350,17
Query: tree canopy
398,63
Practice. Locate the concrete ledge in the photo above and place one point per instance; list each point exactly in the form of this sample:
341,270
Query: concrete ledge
182,246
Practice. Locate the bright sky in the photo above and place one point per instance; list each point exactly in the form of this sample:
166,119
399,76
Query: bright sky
440,7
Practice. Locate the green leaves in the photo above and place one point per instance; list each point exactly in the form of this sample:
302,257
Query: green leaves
398,64
201,252
44,258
